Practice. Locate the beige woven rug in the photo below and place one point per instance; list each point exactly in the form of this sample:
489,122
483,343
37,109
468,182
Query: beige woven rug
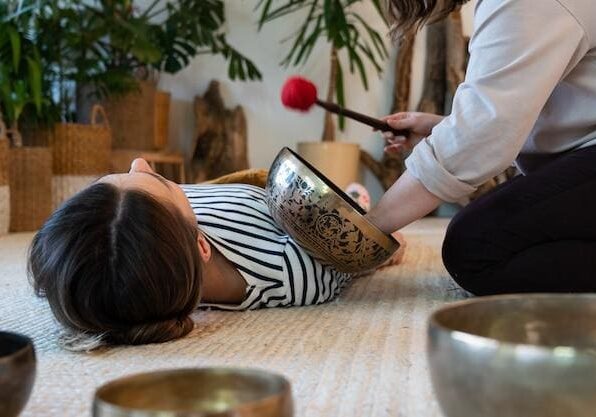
362,355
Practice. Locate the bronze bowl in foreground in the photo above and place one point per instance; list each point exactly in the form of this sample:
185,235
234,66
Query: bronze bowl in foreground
517,355
17,372
322,218
199,392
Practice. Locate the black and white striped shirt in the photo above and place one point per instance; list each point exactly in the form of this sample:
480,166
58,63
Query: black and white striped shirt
279,273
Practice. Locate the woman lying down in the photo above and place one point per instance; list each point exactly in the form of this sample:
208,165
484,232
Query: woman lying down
123,261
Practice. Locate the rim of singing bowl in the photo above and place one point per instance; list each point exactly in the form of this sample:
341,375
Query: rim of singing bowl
437,321
20,343
388,242
111,398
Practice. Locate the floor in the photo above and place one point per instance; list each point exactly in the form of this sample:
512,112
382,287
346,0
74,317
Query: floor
361,355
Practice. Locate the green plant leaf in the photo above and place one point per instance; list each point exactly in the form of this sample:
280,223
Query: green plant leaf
265,5
15,42
380,10
354,57
374,36
35,82
339,24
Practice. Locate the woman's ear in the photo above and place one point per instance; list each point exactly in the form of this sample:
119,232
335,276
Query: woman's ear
204,247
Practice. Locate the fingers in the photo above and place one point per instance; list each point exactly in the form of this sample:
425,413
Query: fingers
395,143
403,122
396,259
394,148
390,138
396,116
400,238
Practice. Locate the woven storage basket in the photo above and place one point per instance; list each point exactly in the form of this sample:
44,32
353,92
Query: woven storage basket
36,136
4,185
140,119
30,177
81,153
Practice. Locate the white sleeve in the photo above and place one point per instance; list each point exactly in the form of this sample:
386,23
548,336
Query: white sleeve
519,52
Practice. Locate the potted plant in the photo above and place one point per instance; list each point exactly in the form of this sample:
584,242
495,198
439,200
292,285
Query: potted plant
28,169
94,50
133,45
352,42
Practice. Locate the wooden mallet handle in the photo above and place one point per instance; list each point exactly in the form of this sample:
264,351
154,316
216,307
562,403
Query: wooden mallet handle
367,120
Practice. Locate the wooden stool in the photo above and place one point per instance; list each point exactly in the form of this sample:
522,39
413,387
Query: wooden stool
122,158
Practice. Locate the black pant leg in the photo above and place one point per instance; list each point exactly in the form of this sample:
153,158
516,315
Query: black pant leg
536,233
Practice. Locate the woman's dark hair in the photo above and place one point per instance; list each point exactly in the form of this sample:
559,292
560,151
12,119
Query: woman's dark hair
117,267
411,15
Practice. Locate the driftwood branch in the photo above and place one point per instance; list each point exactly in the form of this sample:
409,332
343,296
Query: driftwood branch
220,135
444,71
403,74
391,166
457,57
435,74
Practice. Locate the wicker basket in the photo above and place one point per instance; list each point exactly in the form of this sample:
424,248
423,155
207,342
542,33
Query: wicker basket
4,185
140,119
81,153
36,136
30,178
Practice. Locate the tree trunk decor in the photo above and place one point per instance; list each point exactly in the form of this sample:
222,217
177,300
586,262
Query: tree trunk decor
221,145
446,61
391,166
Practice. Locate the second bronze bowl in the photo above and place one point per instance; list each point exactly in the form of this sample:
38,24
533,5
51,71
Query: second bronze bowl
199,392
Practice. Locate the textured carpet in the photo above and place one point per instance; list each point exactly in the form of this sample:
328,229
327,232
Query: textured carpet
362,355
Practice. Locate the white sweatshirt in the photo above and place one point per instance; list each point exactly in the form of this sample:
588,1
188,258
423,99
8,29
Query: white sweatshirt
529,92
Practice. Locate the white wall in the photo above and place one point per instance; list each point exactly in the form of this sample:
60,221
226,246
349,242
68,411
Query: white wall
270,126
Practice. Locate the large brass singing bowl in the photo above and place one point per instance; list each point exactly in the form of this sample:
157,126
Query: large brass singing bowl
17,372
515,356
201,392
323,219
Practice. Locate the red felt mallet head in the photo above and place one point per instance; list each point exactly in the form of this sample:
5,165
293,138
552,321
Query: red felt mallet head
298,94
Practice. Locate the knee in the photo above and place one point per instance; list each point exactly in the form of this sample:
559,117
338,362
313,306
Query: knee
462,254
454,253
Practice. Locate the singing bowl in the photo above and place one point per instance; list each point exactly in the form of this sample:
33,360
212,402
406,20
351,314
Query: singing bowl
513,356
322,219
200,392
17,372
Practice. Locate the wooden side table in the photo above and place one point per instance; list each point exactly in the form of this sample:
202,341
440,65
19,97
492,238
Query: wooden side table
122,158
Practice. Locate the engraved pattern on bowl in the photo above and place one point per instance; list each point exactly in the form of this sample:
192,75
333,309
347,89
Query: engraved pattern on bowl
322,219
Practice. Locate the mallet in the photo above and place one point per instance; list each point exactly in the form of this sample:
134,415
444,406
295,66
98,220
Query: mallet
300,94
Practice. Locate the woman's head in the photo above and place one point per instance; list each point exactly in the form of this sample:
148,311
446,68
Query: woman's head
120,262
410,15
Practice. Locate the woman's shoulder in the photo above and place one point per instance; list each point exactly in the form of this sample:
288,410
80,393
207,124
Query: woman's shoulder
582,11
